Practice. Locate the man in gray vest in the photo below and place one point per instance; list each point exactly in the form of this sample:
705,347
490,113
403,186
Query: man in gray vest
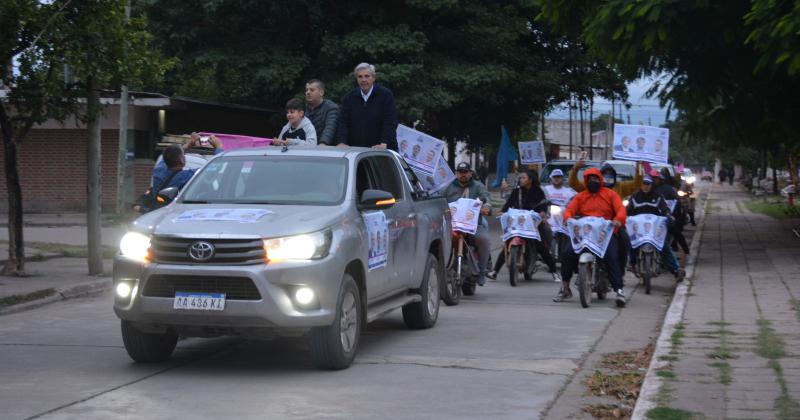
322,112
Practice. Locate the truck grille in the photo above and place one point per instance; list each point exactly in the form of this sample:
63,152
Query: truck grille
235,288
173,250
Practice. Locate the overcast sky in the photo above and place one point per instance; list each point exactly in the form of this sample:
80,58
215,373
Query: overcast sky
641,107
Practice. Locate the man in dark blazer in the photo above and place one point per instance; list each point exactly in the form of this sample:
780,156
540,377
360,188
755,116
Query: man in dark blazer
367,116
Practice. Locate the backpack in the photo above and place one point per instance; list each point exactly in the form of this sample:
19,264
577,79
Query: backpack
148,201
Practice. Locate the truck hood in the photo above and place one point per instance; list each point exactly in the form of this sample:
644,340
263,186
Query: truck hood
281,220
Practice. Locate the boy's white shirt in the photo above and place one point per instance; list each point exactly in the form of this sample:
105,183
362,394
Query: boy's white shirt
308,128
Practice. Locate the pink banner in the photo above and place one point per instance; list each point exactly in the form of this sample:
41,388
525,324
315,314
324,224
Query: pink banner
234,141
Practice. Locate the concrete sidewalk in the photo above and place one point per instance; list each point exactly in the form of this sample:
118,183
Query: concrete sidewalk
735,351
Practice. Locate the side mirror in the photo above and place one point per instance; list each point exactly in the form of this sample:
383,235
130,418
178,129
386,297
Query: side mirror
166,195
376,200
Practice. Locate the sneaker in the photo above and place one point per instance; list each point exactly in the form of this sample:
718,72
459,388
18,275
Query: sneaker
680,275
620,298
481,281
492,275
563,295
556,277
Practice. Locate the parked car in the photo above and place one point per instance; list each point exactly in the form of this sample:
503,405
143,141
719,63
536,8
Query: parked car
264,241
626,169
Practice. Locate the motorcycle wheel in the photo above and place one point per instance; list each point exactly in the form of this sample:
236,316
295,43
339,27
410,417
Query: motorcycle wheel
585,284
468,287
647,273
451,287
513,265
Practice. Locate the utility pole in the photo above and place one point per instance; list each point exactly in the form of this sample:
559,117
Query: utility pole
570,126
122,148
591,120
580,111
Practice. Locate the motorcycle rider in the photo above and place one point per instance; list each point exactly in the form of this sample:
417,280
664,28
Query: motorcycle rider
623,189
688,190
528,195
466,187
665,189
559,195
646,201
599,201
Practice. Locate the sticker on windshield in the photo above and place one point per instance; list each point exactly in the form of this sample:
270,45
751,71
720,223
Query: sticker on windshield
222,215
378,238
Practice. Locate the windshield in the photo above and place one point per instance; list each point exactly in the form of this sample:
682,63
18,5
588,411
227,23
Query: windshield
270,180
625,171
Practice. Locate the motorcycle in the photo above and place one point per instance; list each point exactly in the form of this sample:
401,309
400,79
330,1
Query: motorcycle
592,278
648,264
520,258
462,269
555,244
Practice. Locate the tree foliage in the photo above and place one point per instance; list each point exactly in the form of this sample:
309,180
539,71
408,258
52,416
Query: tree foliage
462,68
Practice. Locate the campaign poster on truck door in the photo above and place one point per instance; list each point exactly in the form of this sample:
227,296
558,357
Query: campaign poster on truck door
641,143
377,238
421,151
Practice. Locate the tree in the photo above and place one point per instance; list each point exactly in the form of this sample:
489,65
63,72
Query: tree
101,49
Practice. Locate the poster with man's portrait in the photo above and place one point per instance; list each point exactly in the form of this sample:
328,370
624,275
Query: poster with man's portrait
523,223
465,213
531,152
593,233
421,151
647,229
641,142
442,176
378,239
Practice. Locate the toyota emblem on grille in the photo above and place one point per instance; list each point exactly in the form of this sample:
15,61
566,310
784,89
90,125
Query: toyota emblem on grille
201,251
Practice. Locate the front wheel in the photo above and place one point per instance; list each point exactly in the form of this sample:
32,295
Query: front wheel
451,286
513,264
334,346
647,273
423,314
147,347
585,283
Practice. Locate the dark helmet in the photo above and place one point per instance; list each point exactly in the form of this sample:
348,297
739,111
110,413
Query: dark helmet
609,175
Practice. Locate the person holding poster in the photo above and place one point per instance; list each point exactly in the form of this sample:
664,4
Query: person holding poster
531,152
597,201
646,201
651,144
670,195
466,187
530,196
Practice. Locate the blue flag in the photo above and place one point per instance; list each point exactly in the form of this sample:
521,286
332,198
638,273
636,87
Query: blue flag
505,153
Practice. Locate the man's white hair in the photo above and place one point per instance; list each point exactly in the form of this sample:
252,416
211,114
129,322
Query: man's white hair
363,66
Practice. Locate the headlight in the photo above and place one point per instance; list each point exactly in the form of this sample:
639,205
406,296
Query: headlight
681,193
300,247
691,179
555,210
135,246
625,203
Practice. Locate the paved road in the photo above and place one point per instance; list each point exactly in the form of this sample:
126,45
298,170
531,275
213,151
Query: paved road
505,354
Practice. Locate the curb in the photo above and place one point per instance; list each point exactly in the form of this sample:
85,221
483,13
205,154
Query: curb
88,288
651,386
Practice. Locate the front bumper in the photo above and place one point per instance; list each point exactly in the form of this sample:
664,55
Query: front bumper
276,283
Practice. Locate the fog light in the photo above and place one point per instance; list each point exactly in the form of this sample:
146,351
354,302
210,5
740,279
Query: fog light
123,290
304,295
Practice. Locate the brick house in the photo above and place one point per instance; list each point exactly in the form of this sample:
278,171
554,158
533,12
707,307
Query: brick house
53,157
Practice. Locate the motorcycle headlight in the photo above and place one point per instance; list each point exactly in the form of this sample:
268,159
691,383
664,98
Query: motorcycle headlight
691,179
681,193
308,246
555,210
135,245
625,203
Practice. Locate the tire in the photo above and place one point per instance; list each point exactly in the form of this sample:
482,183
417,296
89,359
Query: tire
451,289
334,346
585,284
423,314
647,274
146,347
513,265
468,287
600,284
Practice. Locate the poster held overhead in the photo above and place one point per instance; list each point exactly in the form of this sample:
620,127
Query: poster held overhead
641,142
532,152
441,177
421,151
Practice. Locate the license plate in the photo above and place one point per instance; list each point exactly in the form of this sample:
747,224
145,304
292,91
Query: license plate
199,301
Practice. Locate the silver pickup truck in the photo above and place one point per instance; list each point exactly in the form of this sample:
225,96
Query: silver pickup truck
260,242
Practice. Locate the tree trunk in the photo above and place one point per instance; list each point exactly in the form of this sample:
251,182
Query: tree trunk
580,113
15,266
570,127
93,189
591,120
793,166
